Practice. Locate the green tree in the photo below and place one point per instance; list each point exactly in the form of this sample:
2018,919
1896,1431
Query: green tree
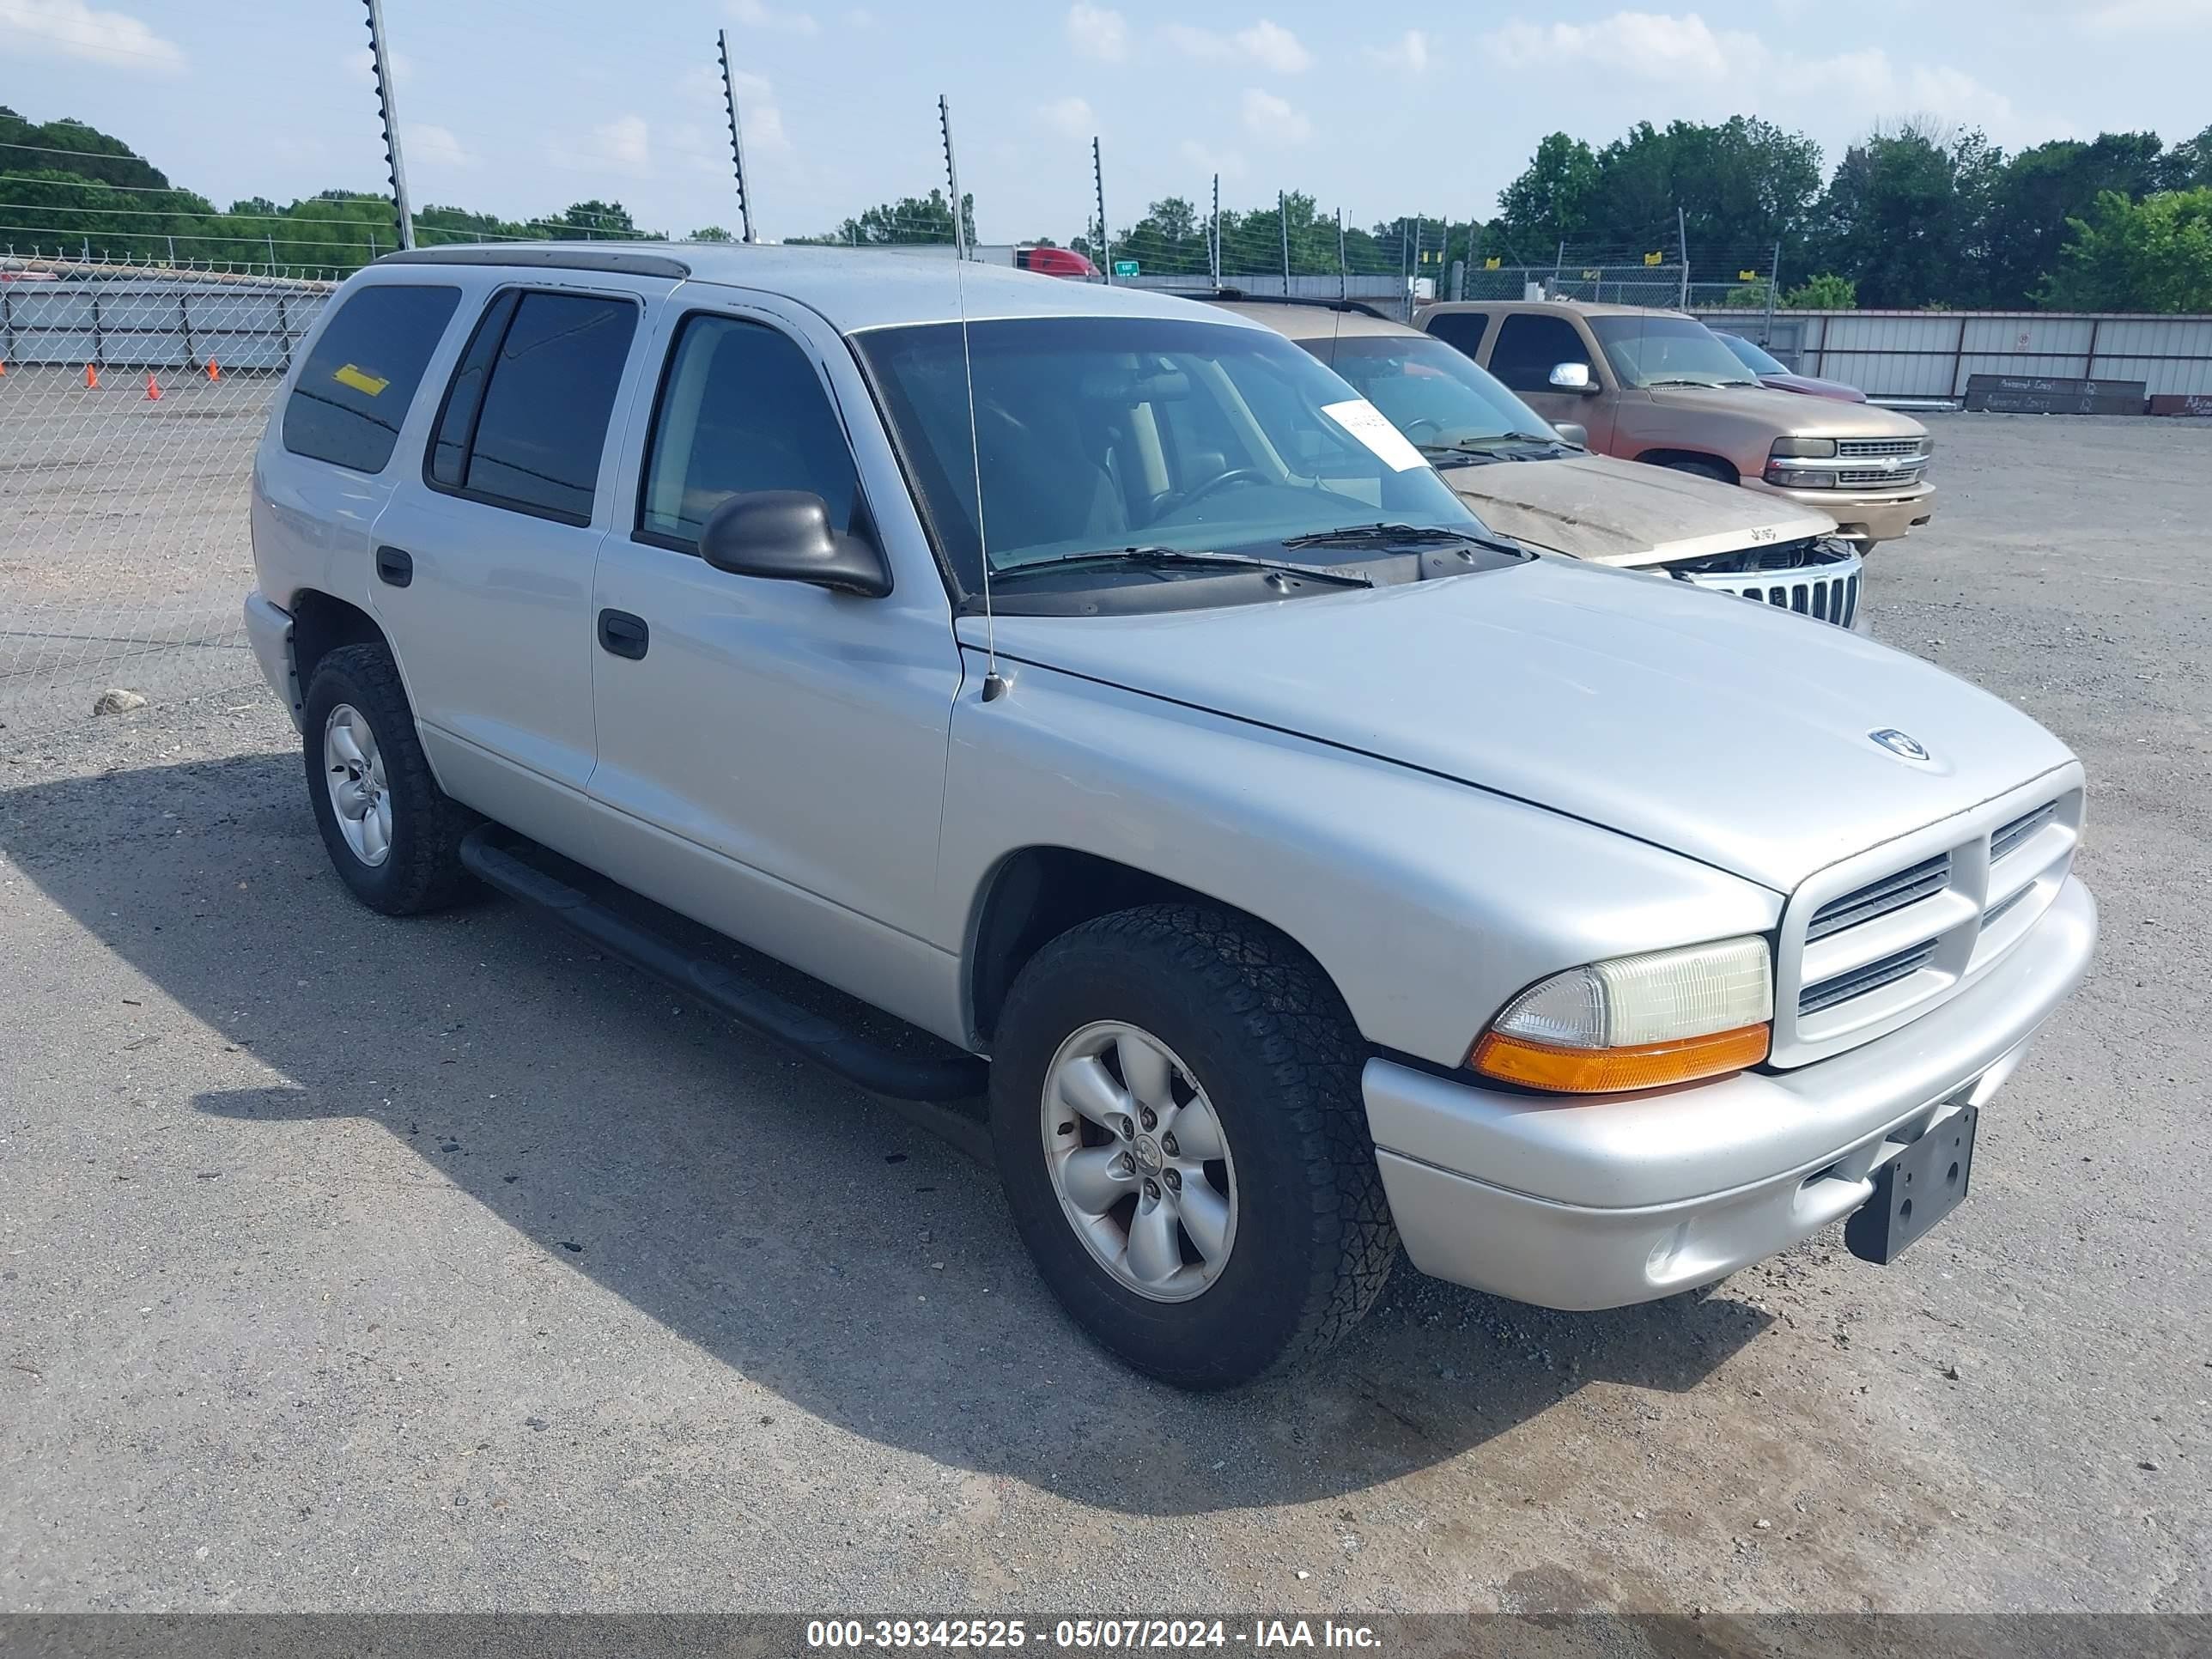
1552,200
2151,255
1903,213
2188,164
2041,190
911,219
1740,186
1827,291
711,234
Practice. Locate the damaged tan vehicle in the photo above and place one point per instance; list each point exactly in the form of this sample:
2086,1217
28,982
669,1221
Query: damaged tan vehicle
1541,485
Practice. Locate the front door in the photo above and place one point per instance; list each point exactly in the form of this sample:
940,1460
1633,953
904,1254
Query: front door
792,736
1526,346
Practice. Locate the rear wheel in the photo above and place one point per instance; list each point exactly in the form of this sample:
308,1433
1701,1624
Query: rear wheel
393,835
1176,1115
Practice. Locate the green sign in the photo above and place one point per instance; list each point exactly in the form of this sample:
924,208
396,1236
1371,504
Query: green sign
1125,267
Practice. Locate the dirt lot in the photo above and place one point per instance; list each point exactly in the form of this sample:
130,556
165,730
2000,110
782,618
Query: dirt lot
347,1263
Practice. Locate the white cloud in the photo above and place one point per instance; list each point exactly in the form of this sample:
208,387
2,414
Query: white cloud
1266,45
1071,117
434,145
859,18
1097,31
757,14
622,145
1275,119
71,29
1409,55
1721,71
2144,16
1227,162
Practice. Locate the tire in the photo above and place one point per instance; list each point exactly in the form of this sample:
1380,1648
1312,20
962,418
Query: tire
1712,469
1251,1032
420,867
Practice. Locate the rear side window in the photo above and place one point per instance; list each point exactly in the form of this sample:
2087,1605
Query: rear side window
353,391
1460,329
741,408
524,419
1531,346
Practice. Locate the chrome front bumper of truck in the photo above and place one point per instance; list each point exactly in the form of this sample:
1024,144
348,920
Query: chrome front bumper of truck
1600,1203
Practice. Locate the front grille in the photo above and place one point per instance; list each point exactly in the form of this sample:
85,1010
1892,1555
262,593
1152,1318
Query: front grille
2020,829
1879,898
1864,948
1871,977
1862,477
1819,580
1872,446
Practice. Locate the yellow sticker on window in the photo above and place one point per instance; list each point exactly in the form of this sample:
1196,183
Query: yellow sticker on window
360,380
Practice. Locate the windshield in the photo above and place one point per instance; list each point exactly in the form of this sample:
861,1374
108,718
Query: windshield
1431,392
1753,357
1660,350
1104,433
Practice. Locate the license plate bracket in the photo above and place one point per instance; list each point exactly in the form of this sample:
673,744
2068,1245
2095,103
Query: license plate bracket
1915,1189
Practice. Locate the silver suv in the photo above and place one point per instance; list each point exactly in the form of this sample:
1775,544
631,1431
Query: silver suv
1098,685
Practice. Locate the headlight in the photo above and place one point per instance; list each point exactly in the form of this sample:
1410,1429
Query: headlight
1800,478
1805,448
1637,1022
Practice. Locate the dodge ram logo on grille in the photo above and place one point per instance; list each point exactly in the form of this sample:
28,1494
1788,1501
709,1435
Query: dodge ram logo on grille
1898,743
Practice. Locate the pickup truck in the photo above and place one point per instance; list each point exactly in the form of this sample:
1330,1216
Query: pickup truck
1102,704
1661,388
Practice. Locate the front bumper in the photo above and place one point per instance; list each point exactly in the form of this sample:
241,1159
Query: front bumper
1880,515
1600,1203
269,630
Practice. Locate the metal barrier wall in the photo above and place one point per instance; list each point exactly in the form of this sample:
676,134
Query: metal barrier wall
1929,354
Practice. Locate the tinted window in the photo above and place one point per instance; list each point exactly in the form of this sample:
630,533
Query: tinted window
1660,350
354,390
548,395
1462,329
1531,346
741,408
457,419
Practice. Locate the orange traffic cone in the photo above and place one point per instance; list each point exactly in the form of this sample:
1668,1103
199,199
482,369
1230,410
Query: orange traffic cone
213,373
153,391
91,377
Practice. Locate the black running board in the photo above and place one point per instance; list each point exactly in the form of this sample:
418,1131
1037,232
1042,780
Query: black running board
850,1054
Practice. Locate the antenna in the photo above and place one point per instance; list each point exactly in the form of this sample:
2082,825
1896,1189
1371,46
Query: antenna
995,686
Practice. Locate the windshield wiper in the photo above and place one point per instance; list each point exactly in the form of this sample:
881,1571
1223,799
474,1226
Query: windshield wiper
1154,557
1393,535
1709,385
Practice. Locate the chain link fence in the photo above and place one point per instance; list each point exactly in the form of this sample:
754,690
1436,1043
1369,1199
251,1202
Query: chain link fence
130,402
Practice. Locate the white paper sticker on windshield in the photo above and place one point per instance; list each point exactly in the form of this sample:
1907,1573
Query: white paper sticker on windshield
1372,428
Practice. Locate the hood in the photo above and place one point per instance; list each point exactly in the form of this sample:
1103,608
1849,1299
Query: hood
1593,506
1787,412
1813,387
1732,733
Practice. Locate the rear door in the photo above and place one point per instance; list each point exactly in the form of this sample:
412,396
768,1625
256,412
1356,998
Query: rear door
1526,346
484,558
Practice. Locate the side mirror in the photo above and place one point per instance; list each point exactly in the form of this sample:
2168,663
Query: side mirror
1572,377
1576,435
785,535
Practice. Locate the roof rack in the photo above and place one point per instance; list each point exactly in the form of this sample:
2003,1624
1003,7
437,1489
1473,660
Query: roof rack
1246,296
626,261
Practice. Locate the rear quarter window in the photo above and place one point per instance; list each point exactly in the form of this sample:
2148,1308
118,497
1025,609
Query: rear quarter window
1460,329
353,391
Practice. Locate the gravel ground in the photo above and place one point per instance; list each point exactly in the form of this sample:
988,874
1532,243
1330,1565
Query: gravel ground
348,1264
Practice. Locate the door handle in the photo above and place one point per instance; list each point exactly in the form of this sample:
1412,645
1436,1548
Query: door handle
395,567
624,634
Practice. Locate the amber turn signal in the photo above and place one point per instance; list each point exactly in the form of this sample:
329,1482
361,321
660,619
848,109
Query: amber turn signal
1611,1070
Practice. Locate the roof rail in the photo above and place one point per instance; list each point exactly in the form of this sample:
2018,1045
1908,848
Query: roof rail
1246,296
626,261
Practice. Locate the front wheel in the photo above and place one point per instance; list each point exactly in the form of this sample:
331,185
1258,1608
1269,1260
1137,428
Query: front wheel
1176,1115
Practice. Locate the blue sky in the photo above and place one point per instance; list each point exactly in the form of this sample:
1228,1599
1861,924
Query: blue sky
521,108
